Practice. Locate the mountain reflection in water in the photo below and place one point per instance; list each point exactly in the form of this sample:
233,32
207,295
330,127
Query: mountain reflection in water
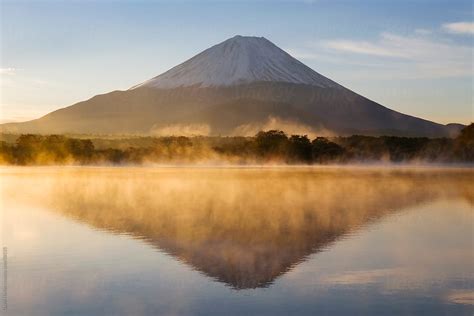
243,227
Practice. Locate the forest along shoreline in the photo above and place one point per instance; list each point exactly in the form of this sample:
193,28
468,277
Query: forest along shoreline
265,147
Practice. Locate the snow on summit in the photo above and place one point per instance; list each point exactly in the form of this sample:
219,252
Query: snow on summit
239,60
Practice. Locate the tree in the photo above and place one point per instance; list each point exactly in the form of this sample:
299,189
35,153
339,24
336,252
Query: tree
81,150
27,147
299,148
404,148
53,149
271,143
464,144
324,150
6,153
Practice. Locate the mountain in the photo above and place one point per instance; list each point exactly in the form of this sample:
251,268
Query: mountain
237,87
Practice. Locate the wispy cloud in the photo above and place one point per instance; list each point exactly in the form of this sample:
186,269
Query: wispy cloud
459,27
8,71
382,48
417,56
408,47
465,297
330,58
361,277
423,31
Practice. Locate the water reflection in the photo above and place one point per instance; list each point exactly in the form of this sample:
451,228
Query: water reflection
242,227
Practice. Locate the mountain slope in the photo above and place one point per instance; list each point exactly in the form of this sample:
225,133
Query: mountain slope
241,82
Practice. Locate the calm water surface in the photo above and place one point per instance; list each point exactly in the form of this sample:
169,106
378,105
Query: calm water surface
265,241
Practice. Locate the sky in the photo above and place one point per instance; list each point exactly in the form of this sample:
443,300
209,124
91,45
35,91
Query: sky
415,57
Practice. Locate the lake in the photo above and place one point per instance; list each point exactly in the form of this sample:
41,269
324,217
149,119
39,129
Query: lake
237,241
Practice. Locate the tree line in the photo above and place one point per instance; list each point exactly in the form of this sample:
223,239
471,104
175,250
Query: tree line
272,146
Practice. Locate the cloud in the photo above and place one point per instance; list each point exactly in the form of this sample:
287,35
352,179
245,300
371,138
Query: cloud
363,47
423,32
8,71
465,297
361,277
301,54
406,47
416,55
459,27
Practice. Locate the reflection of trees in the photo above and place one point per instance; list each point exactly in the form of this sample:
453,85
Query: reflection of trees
244,227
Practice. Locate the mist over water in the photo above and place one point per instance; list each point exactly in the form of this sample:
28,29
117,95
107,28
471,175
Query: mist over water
86,240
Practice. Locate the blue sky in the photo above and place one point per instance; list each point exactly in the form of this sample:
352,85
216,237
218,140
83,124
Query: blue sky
413,56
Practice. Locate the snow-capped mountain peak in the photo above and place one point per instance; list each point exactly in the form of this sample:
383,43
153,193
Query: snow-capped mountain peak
239,60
